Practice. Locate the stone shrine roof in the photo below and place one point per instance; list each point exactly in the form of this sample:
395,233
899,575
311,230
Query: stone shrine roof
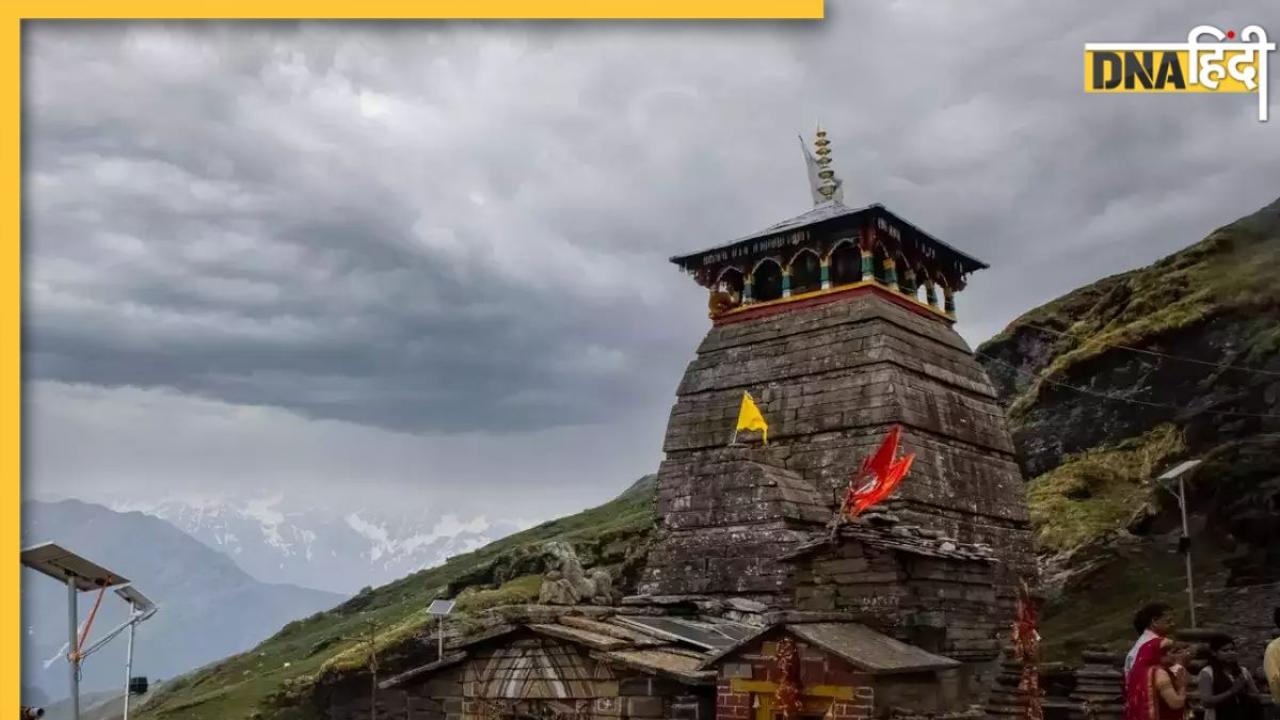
884,531
869,650
682,648
674,647
859,645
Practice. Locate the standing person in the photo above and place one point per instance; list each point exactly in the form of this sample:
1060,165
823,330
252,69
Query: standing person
1170,681
1271,666
1157,686
1141,701
1225,687
1153,622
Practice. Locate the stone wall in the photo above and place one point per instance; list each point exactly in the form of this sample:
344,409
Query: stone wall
727,517
828,684
534,678
942,605
831,380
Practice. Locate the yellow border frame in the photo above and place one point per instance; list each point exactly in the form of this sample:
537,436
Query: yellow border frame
425,10
10,270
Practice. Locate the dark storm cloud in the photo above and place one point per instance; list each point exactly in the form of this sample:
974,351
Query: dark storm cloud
440,228
244,231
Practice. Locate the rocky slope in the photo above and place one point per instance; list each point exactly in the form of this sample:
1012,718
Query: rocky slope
1113,383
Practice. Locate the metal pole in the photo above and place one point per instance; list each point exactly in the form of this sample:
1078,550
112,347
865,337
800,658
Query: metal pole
1186,533
373,667
73,661
128,661
440,639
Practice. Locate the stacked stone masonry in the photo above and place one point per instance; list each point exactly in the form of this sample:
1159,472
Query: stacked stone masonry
831,380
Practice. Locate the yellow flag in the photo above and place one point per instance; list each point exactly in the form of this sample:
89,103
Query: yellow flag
749,418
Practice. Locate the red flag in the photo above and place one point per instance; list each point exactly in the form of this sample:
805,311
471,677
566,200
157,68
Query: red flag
878,462
885,473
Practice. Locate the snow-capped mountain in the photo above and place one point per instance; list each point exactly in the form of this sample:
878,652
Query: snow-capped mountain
209,607
280,541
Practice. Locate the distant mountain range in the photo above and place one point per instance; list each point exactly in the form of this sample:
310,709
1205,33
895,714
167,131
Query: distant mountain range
279,540
209,607
612,536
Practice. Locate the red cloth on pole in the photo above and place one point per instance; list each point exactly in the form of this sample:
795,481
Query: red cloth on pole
885,472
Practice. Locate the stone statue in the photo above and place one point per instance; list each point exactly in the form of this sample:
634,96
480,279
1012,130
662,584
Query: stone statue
569,584
722,299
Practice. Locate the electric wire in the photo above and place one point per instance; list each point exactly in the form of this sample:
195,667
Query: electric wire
1132,401
1157,353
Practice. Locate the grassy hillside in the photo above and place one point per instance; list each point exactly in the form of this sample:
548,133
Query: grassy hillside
278,678
1113,383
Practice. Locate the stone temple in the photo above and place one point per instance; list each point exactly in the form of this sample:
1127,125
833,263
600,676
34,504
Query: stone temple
831,321
754,604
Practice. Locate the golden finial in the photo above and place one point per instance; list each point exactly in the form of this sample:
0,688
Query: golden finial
825,171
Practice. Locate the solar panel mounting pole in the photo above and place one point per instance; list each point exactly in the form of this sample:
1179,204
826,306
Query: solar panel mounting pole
1179,473
438,609
1186,541
80,575
73,659
128,660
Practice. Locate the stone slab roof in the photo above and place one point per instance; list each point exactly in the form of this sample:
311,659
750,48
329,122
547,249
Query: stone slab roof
884,531
869,650
423,670
673,647
859,645
710,635
674,663
595,641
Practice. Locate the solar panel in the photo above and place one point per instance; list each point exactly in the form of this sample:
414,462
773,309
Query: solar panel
59,563
440,607
135,598
707,635
1178,470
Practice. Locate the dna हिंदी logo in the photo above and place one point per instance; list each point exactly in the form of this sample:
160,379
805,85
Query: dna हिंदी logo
1221,63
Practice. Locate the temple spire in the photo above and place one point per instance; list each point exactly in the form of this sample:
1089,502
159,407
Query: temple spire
823,182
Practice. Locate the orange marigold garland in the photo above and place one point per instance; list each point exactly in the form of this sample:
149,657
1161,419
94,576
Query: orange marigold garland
786,666
1026,648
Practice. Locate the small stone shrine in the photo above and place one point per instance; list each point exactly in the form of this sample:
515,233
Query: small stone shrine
753,603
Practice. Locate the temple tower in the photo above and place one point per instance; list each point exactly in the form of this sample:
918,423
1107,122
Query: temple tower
839,322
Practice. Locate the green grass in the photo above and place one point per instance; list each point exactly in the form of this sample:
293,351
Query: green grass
1231,272
276,678
1100,613
1228,277
1096,492
521,590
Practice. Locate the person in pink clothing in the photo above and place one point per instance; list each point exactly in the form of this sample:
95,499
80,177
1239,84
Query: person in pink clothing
1154,622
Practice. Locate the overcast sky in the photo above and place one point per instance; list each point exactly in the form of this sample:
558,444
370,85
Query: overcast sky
368,262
